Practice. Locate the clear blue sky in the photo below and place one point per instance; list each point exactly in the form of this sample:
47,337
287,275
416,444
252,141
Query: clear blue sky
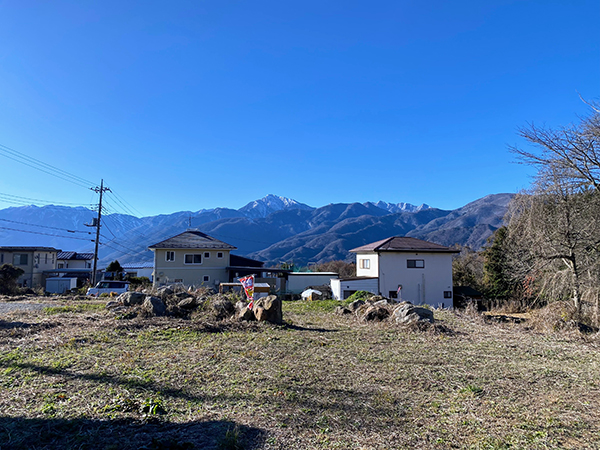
184,105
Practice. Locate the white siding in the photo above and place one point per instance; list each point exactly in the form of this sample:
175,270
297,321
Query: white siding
299,281
419,285
373,271
341,289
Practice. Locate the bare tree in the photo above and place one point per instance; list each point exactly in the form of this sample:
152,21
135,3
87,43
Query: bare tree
554,235
572,151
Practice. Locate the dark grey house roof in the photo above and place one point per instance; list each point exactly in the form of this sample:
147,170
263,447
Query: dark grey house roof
192,239
29,249
75,256
404,244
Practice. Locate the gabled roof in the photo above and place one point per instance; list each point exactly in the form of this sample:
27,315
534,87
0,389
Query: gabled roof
404,244
29,249
193,239
75,256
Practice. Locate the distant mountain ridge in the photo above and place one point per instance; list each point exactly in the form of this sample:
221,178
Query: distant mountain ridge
272,229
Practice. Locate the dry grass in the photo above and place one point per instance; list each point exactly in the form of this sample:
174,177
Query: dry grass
82,378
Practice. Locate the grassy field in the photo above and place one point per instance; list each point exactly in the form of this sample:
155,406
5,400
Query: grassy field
81,377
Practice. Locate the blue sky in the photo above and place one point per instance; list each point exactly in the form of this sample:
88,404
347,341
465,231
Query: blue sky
184,105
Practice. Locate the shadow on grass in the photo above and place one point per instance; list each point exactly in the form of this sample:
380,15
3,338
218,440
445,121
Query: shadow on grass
21,433
289,326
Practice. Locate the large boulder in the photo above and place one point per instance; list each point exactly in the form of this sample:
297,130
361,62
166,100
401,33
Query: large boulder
223,308
188,303
268,309
406,313
355,305
246,314
375,313
154,306
164,292
131,298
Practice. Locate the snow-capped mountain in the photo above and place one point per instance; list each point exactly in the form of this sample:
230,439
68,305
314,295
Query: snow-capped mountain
399,207
269,204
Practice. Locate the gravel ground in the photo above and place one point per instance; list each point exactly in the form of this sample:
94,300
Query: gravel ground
6,308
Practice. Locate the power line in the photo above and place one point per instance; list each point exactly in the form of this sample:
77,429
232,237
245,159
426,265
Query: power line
46,226
49,169
46,234
28,200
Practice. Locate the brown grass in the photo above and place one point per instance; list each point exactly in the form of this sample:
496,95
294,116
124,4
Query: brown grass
86,379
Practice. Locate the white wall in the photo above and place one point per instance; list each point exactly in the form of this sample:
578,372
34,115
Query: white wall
373,271
338,287
419,285
299,281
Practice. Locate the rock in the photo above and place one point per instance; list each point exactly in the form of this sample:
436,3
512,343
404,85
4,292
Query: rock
188,303
268,309
182,295
246,314
164,291
355,305
407,313
154,306
223,308
342,311
112,305
383,302
239,306
375,313
131,298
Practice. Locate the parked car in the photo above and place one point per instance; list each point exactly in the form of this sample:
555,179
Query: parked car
106,287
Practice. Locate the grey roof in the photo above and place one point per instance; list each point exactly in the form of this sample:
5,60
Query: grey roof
29,249
74,256
193,240
404,244
139,265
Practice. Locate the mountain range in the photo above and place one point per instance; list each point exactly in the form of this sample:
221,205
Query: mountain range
272,229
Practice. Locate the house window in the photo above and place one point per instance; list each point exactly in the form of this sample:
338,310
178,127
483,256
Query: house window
415,264
219,254
170,256
1,257
195,258
20,259
447,294
207,254
46,258
89,265
365,263
61,266
205,278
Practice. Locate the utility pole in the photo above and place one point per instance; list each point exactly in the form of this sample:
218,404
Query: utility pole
99,190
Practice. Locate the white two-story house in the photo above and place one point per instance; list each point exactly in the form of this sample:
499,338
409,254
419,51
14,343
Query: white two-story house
191,258
403,268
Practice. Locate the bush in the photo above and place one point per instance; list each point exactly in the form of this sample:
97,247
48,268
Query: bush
9,275
359,295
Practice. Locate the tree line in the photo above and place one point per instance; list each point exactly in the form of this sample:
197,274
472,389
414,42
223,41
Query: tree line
549,248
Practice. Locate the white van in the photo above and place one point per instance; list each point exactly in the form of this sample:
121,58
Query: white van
106,287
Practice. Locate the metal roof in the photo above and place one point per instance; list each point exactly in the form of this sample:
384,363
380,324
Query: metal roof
404,244
74,256
29,249
140,265
192,239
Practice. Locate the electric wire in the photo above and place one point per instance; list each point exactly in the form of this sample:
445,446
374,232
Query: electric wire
46,226
49,169
46,234
27,200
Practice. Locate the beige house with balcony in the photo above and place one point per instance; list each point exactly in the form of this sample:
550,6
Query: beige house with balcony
32,260
191,258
